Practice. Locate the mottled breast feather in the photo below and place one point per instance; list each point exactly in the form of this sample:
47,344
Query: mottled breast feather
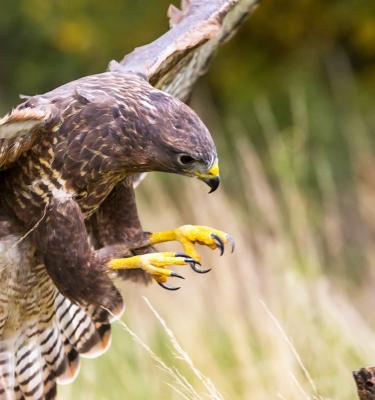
47,162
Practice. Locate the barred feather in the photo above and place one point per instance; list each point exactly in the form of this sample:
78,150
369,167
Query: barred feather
45,334
72,136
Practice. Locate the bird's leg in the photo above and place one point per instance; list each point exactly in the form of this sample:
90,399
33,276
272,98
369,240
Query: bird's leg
116,222
63,246
189,235
115,225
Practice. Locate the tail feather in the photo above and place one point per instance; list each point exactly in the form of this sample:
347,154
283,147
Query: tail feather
46,349
29,368
71,364
17,393
7,373
42,333
54,353
78,327
104,315
49,381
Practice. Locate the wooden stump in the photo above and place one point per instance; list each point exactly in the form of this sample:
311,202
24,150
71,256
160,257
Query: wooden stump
365,381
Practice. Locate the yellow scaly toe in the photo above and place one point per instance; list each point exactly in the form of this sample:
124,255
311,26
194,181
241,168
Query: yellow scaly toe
189,235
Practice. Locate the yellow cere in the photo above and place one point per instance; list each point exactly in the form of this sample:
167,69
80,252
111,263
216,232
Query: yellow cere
214,170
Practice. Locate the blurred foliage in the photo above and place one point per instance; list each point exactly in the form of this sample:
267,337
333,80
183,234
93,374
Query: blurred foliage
291,54
286,44
288,39
299,81
46,43
294,74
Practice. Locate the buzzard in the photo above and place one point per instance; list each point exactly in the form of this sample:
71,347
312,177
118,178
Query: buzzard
69,162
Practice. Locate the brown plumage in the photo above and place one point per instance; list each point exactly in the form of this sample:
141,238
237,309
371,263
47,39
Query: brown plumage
69,160
116,125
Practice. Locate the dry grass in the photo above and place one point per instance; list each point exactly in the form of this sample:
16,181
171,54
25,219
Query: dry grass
278,319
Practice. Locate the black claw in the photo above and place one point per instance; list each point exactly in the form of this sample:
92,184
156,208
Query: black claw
219,243
188,259
196,269
183,255
176,275
232,242
164,286
192,261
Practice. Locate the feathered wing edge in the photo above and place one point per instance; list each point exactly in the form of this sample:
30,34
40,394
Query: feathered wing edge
174,61
48,351
19,130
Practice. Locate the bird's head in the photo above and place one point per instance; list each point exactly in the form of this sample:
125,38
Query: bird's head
174,139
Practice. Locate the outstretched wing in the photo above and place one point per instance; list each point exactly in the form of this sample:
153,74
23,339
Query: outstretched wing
19,130
172,63
178,58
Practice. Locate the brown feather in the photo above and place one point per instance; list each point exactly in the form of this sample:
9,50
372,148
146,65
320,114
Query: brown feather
70,158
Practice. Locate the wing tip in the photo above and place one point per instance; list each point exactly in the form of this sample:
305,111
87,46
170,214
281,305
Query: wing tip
23,115
176,15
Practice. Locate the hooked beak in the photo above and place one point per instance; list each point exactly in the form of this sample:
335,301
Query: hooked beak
211,178
213,183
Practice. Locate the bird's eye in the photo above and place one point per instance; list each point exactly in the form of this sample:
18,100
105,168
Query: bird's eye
185,159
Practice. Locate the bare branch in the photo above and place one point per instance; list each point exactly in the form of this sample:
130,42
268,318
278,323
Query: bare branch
178,58
365,381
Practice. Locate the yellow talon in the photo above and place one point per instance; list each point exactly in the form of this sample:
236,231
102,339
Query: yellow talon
188,235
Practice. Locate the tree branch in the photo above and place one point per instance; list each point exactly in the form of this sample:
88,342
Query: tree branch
365,381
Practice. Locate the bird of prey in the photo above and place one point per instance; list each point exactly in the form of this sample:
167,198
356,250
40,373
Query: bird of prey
69,162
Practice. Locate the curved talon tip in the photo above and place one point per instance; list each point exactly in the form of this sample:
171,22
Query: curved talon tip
164,286
190,260
184,255
232,242
198,270
176,275
219,243
187,258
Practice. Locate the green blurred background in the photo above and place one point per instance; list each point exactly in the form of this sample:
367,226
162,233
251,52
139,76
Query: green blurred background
311,45
290,103
46,43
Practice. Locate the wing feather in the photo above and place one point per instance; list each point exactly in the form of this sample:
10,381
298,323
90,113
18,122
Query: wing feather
175,61
18,131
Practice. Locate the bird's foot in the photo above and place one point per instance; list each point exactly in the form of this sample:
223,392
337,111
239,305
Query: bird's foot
156,265
189,235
